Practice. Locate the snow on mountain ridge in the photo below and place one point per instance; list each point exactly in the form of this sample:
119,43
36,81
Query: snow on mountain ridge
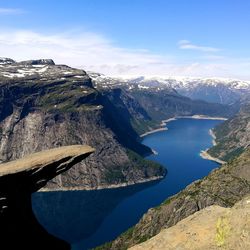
182,82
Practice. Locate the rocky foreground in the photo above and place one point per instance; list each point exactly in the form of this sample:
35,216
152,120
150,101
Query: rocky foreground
19,228
211,228
223,187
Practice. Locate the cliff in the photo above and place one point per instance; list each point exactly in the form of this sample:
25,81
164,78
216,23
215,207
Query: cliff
166,103
18,179
232,136
213,227
223,187
43,105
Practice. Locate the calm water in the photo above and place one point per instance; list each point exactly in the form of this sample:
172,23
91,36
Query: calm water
89,218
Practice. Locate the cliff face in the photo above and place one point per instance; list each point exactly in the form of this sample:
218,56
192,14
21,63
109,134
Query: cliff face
214,227
18,179
223,186
166,103
43,105
232,136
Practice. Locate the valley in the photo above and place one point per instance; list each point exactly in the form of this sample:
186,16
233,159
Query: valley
44,105
124,125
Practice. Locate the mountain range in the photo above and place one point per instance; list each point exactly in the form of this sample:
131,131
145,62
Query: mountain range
215,90
44,105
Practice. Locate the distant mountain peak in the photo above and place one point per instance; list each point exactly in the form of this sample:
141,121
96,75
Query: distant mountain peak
5,60
38,62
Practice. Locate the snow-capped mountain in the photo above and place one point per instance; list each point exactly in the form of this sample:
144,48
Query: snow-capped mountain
219,90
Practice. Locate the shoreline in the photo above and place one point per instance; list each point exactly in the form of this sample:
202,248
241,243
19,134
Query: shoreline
198,117
213,137
205,155
112,186
153,131
204,117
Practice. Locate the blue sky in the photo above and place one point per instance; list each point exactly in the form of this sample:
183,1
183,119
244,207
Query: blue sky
158,37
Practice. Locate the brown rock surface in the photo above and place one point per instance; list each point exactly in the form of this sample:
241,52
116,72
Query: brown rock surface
211,228
19,228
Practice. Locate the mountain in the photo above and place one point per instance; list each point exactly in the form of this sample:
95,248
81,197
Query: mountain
166,104
43,105
160,98
214,90
232,136
224,187
214,227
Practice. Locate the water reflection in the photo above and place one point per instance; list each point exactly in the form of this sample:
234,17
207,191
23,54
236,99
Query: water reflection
82,212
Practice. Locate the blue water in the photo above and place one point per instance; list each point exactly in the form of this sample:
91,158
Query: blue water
89,218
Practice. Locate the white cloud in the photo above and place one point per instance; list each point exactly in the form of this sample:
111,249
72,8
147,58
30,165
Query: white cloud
10,11
83,49
185,44
95,52
213,57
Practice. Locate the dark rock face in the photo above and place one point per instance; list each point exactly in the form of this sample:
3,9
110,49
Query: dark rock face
164,104
223,186
18,179
45,106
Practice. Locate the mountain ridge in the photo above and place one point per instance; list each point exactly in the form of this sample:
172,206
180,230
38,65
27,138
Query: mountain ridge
218,90
45,105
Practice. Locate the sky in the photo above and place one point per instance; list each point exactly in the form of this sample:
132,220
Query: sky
195,38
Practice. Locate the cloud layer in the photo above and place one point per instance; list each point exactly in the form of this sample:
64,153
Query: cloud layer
9,11
95,52
185,44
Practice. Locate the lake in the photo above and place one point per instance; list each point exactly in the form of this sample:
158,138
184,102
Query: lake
89,218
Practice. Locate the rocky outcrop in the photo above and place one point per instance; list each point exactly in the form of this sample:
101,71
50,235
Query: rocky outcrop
214,227
232,136
18,179
223,186
43,106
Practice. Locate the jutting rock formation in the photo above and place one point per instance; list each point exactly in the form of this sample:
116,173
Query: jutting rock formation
18,180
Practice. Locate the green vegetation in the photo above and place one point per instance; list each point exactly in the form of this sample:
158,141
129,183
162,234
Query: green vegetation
65,99
143,126
140,162
222,231
234,153
117,175
105,246
232,136
114,175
